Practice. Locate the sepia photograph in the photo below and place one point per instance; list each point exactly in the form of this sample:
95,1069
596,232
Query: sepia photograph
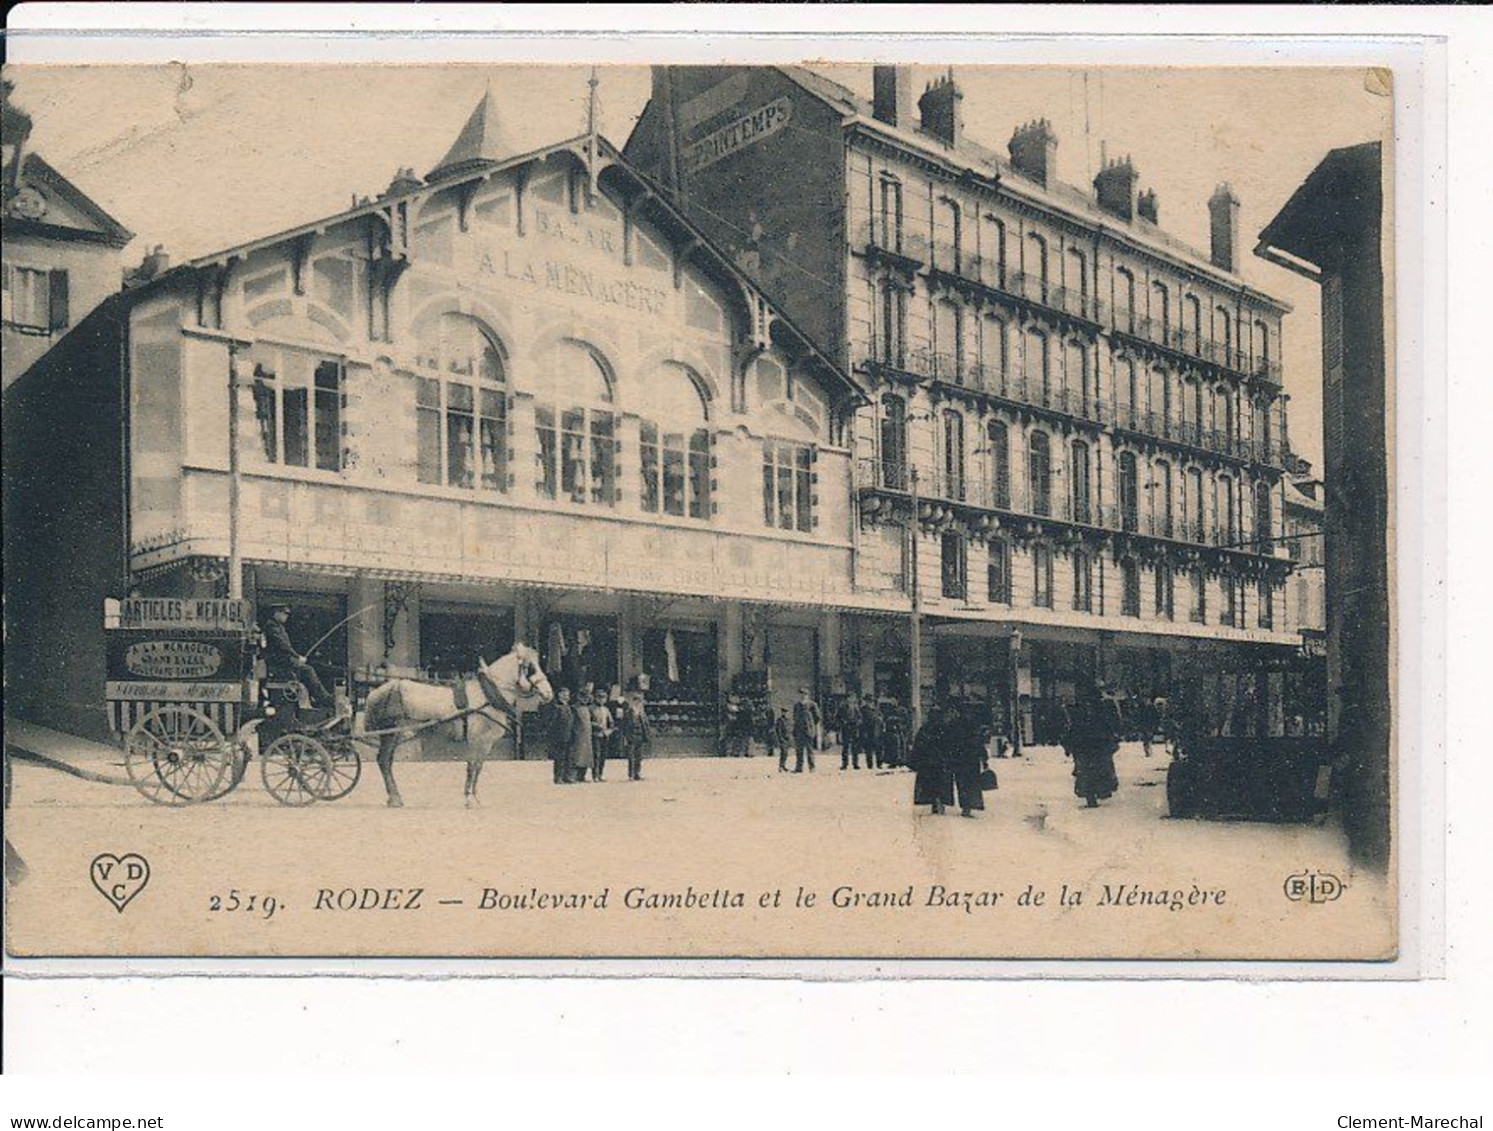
730,511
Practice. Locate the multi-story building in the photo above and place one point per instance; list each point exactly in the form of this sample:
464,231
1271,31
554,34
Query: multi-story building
1073,461
60,251
1305,497
521,397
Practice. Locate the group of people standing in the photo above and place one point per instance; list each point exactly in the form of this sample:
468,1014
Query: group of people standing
875,730
586,732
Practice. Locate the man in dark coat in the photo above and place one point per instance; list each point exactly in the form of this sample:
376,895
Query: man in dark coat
850,733
894,744
929,759
967,758
805,729
636,734
1090,739
282,659
560,724
873,733
782,737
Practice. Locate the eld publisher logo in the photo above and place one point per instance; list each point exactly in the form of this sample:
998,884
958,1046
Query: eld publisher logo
1313,887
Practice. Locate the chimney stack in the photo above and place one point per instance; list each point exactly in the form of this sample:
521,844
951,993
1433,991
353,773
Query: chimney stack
1223,214
940,111
1115,188
892,95
1034,151
1145,206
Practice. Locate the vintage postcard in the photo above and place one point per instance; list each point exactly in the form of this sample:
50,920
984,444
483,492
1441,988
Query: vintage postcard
738,511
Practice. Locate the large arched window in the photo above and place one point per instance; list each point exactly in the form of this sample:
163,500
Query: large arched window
577,429
998,448
1039,473
1129,493
674,446
893,442
461,404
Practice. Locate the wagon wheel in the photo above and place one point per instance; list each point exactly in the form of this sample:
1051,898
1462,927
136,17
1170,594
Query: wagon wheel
336,778
176,755
292,766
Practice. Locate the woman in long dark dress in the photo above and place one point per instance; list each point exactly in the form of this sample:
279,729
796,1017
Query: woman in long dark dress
966,745
934,783
1091,743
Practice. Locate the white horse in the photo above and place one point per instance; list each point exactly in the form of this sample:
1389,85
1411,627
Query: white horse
509,685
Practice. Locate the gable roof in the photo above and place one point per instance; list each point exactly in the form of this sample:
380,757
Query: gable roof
37,174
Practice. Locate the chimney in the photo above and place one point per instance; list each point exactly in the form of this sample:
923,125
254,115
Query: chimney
892,95
1034,151
1223,214
404,181
1115,188
1145,206
939,108
156,262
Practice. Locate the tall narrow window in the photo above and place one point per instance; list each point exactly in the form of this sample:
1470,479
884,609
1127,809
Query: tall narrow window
893,325
953,454
788,485
577,449
1228,613
1037,371
1082,492
1223,335
889,219
1039,473
998,449
1161,506
1192,324
1075,397
993,355
993,251
998,575
1193,506
1083,581
1228,525
1161,315
1124,299
948,342
1042,578
1036,267
1129,588
328,382
1127,401
1264,526
1265,594
1161,404
1165,592
461,405
1262,349
1076,299
1198,611
955,567
948,236
674,450
1129,493
893,442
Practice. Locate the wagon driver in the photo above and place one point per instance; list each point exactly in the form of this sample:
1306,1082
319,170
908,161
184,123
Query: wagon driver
282,657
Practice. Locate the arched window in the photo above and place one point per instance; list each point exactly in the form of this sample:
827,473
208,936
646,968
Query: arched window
1076,282
893,442
1262,349
948,342
461,405
993,251
1161,504
1228,528
1129,588
1083,580
1192,506
1036,267
1161,315
998,447
1129,493
1082,492
993,356
674,446
1039,473
1223,334
1192,323
298,407
1161,404
1223,414
1036,367
1125,299
1127,396
953,454
577,430
948,236
1076,378
1264,526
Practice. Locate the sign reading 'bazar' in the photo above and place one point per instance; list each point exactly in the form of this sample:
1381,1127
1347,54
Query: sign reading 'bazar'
734,136
173,659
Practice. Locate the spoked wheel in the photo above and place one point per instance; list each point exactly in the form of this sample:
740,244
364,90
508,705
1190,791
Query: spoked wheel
176,755
336,779
292,767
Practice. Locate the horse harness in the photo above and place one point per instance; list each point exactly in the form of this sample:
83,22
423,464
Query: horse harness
494,702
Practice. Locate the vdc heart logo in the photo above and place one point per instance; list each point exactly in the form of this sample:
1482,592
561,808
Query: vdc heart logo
119,878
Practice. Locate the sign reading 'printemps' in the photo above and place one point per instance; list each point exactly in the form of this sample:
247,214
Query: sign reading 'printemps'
734,136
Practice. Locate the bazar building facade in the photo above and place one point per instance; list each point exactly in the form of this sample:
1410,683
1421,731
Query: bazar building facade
1073,459
521,398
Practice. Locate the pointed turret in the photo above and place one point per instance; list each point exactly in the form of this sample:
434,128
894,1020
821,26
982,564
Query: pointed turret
481,142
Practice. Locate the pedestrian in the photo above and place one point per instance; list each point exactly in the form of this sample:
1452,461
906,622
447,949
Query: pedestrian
601,737
850,732
933,784
805,729
782,738
636,734
967,759
894,742
616,705
559,722
738,728
1090,741
873,733
580,759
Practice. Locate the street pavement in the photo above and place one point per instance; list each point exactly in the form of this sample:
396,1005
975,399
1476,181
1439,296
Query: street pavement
703,829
